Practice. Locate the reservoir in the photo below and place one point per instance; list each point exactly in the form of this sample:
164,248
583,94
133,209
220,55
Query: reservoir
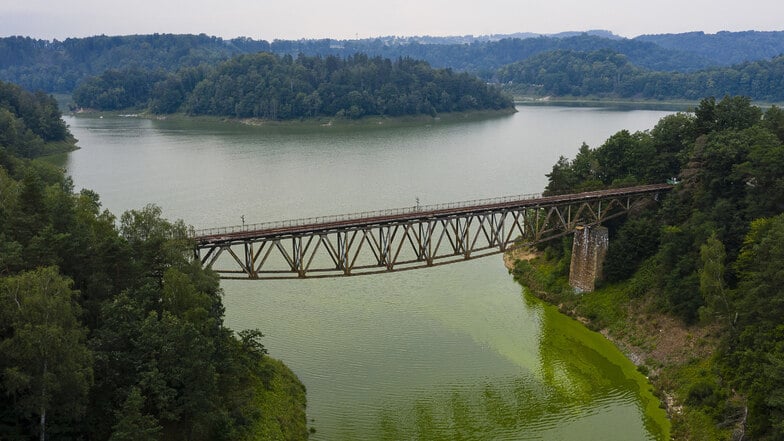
452,352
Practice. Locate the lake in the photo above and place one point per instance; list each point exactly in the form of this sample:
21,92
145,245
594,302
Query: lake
453,352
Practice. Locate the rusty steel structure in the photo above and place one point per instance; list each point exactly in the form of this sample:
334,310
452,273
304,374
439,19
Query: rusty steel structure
406,238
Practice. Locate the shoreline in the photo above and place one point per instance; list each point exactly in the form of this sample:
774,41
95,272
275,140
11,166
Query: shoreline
681,105
321,122
661,347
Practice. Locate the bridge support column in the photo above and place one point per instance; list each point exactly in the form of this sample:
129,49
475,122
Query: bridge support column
588,251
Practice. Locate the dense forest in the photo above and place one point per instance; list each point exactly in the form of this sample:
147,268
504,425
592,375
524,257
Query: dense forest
483,58
59,66
274,87
723,48
605,73
108,330
710,253
30,124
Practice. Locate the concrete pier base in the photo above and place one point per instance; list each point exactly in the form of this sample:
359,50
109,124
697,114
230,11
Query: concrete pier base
588,251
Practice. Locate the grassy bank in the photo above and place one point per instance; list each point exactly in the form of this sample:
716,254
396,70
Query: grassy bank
281,401
677,359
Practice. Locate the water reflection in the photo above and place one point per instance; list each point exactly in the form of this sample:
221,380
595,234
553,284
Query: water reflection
580,386
453,352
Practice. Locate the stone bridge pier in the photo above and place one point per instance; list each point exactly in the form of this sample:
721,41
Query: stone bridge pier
588,251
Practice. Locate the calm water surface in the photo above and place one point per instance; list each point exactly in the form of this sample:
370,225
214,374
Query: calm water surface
453,352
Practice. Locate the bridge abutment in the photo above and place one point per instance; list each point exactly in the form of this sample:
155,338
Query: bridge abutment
588,251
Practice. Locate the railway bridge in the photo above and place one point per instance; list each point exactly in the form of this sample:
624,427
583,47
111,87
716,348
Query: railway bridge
406,238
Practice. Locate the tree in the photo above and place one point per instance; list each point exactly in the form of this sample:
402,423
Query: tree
155,244
756,348
132,424
625,155
636,240
46,366
712,286
736,113
774,121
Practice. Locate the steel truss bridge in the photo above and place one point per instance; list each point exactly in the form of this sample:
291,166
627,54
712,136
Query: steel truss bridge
406,238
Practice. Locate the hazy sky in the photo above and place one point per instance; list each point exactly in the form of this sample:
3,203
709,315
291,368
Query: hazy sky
341,19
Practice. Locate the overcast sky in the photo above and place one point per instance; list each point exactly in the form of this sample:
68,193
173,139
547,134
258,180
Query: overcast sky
347,19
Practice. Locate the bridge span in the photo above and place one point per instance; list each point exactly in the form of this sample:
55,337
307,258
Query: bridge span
406,238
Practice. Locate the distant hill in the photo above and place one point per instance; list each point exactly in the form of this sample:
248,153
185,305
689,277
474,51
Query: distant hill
484,57
723,48
608,74
60,66
468,39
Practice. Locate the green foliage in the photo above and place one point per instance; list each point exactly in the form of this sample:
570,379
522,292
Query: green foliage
264,85
604,307
115,333
279,400
31,125
581,174
547,276
722,47
713,249
132,424
760,272
115,89
572,73
46,365
712,284
627,158
731,113
607,73
59,66
774,121
635,241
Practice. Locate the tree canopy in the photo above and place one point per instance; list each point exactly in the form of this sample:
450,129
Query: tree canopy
275,87
31,123
109,330
607,73
713,250
60,66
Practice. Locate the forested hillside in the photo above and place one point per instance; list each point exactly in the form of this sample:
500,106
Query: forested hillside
30,124
274,87
107,329
723,48
484,57
710,254
59,66
605,73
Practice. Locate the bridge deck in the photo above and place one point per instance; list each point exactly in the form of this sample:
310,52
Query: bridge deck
327,223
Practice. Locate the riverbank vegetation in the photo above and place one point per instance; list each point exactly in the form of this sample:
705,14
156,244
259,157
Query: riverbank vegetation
30,124
692,284
108,330
272,87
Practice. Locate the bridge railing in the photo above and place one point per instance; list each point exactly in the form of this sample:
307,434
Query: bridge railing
360,215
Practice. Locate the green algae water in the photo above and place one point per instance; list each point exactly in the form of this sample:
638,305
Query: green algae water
457,352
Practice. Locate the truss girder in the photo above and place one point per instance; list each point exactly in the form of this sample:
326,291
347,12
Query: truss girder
404,244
